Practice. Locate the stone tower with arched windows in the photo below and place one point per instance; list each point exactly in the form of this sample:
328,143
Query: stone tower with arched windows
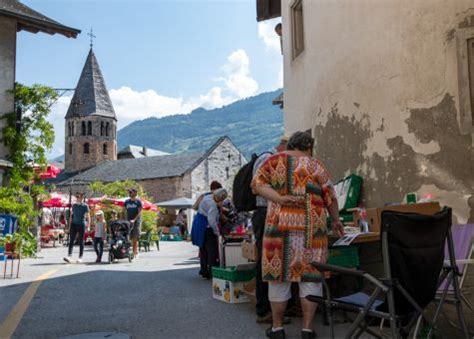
91,123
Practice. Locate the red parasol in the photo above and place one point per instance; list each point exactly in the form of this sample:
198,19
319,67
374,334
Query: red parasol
56,200
51,172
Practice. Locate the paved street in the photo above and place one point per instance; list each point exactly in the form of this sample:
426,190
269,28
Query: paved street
158,295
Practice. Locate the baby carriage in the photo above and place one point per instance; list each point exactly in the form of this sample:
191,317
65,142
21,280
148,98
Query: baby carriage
120,241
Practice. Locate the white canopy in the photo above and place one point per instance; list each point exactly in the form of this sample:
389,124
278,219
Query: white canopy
177,203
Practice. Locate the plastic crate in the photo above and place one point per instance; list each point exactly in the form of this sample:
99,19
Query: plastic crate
348,191
344,256
231,274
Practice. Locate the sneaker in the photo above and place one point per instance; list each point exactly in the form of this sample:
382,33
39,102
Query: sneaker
79,261
68,259
308,335
280,334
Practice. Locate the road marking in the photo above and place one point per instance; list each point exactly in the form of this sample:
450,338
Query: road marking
10,324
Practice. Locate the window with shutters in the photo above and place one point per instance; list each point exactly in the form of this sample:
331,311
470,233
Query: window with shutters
297,28
465,56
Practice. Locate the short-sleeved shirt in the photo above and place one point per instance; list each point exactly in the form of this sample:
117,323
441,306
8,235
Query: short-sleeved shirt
132,207
79,212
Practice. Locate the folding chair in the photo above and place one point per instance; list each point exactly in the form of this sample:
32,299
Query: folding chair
463,249
413,256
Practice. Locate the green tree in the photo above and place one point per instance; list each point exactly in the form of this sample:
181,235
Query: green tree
28,145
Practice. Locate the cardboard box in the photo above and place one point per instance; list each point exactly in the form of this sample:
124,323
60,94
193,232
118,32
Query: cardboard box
229,292
249,250
374,215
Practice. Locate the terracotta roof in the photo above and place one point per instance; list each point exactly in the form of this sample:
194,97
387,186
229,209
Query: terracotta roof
33,21
91,96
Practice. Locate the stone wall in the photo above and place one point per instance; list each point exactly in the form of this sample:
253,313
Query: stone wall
221,165
168,188
383,85
77,160
7,71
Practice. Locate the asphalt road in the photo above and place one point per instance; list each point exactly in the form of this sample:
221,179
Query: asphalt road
160,295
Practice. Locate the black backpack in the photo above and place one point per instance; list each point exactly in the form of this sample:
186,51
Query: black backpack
242,196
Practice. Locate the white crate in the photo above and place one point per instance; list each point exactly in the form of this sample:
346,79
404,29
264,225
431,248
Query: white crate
229,291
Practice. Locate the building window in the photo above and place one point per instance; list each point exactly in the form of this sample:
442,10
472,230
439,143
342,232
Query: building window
227,173
86,148
107,129
89,128
70,148
297,31
229,156
83,125
72,128
101,128
465,58
104,148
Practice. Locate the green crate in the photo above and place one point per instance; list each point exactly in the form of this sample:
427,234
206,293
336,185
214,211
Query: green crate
344,256
348,191
231,274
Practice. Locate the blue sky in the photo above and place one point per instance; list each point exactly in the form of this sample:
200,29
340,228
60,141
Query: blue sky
158,57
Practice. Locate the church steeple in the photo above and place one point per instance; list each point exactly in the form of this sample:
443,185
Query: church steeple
90,121
91,96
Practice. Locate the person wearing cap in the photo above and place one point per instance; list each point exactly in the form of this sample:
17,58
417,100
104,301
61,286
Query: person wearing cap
205,231
262,306
77,226
99,235
133,209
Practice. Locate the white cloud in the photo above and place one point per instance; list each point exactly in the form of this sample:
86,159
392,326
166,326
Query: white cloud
238,79
266,32
131,105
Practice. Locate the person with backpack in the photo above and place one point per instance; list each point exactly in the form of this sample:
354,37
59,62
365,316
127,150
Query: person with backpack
263,310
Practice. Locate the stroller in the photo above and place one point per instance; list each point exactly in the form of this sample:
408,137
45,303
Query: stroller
120,241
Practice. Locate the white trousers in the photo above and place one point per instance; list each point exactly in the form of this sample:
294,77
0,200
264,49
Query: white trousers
281,291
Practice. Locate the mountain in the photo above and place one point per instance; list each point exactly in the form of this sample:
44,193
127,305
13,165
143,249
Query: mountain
254,125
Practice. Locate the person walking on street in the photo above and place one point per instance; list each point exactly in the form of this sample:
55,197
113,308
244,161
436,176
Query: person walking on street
99,235
133,210
263,310
299,191
77,226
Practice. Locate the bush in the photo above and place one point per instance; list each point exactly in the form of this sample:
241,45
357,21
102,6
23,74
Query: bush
148,221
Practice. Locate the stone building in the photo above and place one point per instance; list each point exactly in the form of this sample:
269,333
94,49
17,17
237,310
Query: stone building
16,17
167,177
388,91
91,123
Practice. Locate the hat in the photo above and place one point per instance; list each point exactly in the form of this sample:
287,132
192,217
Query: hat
220,194
284,138
99,212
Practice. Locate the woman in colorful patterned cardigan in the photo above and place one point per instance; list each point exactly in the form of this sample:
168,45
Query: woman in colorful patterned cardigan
299,191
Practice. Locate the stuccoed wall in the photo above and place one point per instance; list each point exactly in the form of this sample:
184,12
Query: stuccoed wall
7,71
378,83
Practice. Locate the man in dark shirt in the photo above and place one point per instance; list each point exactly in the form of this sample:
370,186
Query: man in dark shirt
77,226
133,209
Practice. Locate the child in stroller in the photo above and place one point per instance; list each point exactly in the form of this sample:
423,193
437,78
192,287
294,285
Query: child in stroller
120,241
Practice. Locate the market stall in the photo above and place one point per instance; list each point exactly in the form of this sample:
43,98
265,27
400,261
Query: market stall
180,203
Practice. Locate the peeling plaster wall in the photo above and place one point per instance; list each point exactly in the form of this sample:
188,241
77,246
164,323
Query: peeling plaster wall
378,83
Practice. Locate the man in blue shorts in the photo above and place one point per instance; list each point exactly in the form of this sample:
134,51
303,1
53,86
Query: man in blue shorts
133,210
